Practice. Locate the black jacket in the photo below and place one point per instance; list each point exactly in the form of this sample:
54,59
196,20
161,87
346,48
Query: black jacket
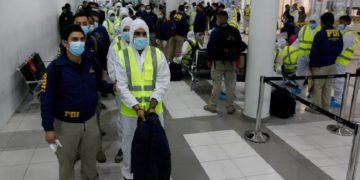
150,153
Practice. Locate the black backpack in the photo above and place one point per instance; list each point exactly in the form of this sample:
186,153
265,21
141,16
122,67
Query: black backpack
282,105
229,43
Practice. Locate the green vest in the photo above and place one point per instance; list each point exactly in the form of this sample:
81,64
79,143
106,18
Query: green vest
141,84
276,56
306,40
348,54
290,55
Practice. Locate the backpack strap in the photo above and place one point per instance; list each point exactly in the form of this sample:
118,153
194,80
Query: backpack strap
95,43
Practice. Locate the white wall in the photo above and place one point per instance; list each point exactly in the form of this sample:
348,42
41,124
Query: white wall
26,26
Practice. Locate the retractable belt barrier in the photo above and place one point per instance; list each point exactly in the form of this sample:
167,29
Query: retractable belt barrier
257,136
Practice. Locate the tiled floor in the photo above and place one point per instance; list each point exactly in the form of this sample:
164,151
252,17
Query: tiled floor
183,103
328,151
212,148
225,155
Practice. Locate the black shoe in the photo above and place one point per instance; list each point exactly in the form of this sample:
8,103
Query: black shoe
119,156
100,157
126,179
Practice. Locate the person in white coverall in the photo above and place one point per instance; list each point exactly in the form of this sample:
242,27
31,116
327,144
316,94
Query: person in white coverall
304,42
120,42
350,38
142,78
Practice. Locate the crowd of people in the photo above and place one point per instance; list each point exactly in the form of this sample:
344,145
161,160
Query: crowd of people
317,46
125,50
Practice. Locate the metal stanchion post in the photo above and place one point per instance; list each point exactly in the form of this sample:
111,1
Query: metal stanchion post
256,135
338,128
354,97
354,156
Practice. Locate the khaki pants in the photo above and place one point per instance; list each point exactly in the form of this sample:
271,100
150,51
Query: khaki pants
77,138
322,87
219,71
174,47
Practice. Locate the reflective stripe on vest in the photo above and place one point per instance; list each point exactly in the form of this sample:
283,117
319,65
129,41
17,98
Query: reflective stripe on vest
348,54
110,27
290,55
276,55
140,84
307,39
119,45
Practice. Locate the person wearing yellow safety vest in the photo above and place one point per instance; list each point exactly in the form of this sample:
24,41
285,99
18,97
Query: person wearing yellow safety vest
188,49
289,59
350,38
109,24
142,79
119,43
192,14
278,54
247,12
305,41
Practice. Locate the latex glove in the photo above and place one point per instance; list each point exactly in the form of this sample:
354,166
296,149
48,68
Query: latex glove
164,43
158,41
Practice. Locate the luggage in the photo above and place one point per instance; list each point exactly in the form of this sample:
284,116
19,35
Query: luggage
282,105
175,72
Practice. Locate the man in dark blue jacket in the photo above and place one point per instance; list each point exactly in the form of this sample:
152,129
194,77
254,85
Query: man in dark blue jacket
182,28
327,46
200,23
151,20
68,102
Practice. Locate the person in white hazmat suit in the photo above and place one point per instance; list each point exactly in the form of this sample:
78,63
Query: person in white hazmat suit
304,42
119,43
142,78
350,38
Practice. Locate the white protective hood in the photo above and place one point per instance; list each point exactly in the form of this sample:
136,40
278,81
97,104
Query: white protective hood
315,18
137,24
190,35
124,12
125,22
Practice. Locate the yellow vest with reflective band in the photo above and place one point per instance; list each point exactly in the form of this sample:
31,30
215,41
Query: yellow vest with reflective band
141,84
187,58
348,54
119,44
117,22
247,13
290,55
234,14
306,40
276,55
110,27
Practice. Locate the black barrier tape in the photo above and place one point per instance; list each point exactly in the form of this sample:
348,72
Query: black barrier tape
331,76
317,108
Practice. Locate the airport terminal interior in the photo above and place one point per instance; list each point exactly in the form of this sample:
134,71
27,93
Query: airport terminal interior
250,143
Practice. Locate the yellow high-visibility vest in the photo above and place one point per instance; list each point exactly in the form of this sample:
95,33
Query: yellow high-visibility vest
290,55
306,40
348,54
276,56
187,58
119,44
110,27
141,84
247,13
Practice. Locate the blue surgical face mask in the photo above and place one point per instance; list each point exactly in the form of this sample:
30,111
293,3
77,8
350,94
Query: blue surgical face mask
140,43
126,36
341,27
86,29
92,28
312,26
96,25
77,48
